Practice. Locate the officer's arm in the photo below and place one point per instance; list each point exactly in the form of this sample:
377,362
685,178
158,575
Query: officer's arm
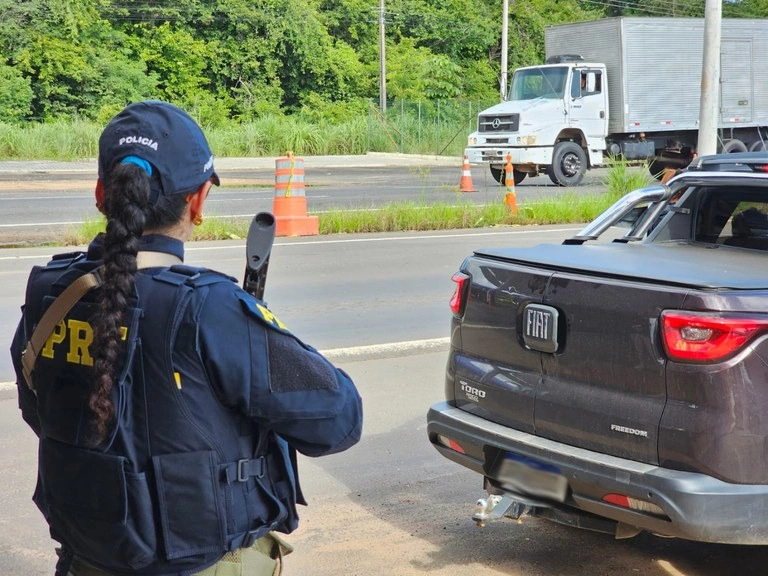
257,366
309,401
27,399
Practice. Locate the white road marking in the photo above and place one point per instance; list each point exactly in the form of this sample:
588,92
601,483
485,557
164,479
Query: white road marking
190,248
38,224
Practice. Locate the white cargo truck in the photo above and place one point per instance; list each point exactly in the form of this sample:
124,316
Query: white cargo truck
628,87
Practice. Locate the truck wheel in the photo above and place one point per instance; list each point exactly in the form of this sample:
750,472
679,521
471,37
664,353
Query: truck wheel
757,146
734,145
569,163
497,174
500,175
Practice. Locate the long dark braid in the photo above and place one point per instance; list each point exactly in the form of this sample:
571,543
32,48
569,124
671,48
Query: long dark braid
129,212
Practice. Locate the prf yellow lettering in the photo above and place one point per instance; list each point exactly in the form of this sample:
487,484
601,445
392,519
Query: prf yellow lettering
269,317
80,337
56,337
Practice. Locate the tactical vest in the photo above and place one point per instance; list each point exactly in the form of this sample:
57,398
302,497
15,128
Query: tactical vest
181,478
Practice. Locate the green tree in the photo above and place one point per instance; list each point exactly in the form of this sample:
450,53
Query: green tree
406,67
17,20
74,61
279,52
353,21
415,73
459,29
15,95
179,60
242,59
746,9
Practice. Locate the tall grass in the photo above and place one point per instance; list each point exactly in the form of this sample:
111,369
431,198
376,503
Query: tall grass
81,234
402,216
623,177
59,141
210,229
427,128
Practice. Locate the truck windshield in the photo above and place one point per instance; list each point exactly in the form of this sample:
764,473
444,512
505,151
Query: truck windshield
531,83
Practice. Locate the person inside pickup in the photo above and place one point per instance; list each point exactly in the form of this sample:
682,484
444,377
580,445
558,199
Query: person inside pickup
749,229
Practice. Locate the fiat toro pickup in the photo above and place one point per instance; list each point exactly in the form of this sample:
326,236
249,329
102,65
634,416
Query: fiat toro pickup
618,381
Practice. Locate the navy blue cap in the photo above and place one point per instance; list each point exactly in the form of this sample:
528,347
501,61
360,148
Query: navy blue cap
166,137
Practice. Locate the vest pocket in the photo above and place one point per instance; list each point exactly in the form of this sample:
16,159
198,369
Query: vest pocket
192,517
100,510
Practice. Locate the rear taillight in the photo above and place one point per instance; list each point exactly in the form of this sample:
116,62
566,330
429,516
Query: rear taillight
459,294
633,504
704,337
450,443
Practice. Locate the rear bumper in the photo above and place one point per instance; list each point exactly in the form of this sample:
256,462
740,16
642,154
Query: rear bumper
698,507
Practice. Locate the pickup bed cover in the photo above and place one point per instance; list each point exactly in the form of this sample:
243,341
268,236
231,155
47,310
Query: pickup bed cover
684,264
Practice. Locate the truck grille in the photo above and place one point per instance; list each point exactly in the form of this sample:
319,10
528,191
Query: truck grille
499,123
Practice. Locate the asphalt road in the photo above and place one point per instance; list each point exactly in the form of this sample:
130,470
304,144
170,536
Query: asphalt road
41,200
377,305
391,505
335,291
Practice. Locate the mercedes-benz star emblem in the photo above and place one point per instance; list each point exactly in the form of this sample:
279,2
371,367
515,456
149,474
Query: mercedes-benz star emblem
496,123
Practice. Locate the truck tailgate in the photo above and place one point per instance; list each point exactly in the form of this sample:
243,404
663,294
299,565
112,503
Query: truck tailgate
601,385
604,389
493,375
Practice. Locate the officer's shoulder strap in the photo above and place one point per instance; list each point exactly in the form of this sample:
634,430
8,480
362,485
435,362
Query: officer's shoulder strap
64,260
52,316
194,277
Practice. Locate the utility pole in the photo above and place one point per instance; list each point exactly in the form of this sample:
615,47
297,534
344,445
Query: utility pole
382,61
709,110
504,49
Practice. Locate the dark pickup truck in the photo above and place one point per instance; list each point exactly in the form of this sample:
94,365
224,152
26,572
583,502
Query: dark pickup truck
619,381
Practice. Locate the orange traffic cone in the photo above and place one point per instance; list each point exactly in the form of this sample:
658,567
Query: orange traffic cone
510,198
465,185
290,204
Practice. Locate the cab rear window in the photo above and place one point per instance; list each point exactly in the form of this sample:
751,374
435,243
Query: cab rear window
733,218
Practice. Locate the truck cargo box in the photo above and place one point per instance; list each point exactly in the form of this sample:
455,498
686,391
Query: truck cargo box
649,88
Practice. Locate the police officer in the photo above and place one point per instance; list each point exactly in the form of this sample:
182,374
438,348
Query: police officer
168,402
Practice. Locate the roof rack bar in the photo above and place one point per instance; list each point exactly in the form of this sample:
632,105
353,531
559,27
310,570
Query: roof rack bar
621,208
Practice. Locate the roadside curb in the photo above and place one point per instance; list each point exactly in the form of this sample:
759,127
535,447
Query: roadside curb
391,350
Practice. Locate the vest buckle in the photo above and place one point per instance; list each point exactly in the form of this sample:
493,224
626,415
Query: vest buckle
247,468
242,470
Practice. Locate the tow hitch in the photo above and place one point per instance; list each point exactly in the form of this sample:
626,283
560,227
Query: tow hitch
514,506
497,506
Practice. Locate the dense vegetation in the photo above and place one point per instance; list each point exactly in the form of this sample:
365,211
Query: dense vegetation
242,60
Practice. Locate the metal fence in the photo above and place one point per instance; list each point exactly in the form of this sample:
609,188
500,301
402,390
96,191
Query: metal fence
436,127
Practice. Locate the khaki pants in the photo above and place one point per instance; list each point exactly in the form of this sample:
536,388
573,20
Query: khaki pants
264,558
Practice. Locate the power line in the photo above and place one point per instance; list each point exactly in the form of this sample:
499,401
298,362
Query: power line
656,10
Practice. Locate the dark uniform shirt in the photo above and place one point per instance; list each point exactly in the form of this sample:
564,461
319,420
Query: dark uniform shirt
214,397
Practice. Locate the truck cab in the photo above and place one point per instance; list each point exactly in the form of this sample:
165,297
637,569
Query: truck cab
554,121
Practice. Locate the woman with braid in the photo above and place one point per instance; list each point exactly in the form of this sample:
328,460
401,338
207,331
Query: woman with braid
168,402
